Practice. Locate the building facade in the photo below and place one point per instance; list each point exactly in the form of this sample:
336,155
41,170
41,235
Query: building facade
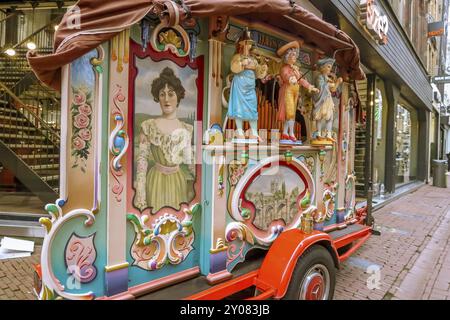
399,124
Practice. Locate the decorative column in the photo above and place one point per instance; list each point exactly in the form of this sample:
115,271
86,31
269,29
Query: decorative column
215,82
64,267
218,252
392,95
423,167
343,146
217,208
116,270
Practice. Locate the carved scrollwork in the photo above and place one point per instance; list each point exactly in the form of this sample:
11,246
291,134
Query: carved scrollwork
118,144
80,256
171,38
52,288
168,240
350,197
329,199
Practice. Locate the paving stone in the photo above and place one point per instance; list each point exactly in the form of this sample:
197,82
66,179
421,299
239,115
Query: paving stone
409,262
16,278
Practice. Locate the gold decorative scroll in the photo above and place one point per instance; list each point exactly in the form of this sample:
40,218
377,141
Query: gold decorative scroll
216,56
120,50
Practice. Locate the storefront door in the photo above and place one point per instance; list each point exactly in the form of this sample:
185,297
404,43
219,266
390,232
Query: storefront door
406,145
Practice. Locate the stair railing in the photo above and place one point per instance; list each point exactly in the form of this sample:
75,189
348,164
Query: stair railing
39,103
43,37
14,68
31,138
23,84
3,18
31,113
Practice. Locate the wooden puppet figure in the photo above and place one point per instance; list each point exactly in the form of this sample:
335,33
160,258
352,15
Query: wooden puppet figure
291,79
243,103
324,106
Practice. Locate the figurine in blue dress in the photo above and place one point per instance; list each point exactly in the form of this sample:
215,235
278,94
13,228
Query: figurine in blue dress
243,103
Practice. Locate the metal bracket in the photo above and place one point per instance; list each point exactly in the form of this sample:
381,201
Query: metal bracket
375,232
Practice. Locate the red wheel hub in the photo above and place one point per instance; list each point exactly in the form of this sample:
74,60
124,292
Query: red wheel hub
315,289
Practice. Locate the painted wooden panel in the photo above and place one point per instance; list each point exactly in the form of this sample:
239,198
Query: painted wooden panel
165,178
72,252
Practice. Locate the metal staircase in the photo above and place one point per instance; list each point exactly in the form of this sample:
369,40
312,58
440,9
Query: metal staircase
360,158
30,121
360,144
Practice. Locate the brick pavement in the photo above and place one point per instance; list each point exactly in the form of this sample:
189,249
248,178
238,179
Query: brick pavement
16,277
412,253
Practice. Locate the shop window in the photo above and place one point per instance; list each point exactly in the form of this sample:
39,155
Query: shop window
406,146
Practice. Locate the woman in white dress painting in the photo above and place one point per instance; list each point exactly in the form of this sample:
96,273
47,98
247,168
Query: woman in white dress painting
165,151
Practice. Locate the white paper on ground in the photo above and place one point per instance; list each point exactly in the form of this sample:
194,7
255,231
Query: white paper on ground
11,254
17,245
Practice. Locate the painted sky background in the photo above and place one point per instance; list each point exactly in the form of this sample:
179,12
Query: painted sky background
148,70
84,75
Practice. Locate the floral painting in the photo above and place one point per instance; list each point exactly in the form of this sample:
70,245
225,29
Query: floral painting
83,80
81,110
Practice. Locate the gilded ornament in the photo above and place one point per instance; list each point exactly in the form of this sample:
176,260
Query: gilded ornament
170,37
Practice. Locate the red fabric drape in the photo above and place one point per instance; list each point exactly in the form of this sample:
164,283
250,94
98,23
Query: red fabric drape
95,17
100,20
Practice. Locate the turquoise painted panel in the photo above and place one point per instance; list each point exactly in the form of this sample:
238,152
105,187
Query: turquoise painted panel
83,74
206,236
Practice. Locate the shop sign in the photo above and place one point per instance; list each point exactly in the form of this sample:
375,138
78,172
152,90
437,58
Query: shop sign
436,29
374,20
267,42
441,79
445,120
262,40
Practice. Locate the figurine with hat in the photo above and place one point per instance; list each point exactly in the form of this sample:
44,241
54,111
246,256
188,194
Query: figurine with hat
324,105
290,78
243,103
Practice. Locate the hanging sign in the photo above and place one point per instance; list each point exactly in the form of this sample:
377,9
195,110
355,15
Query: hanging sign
436,29
441,79
374,20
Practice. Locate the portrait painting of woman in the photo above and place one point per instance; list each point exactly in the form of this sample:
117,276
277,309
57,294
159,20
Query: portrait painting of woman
164,175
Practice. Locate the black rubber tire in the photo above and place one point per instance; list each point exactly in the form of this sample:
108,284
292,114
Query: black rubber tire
312,256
